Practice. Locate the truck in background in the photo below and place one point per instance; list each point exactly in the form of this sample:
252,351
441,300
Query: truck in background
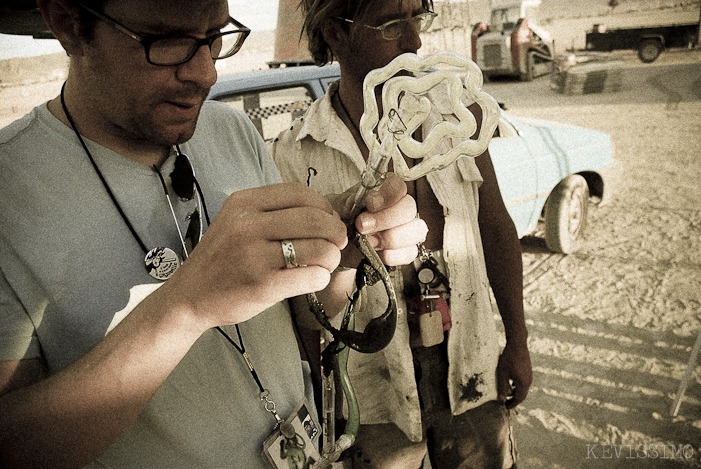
512,43
649,41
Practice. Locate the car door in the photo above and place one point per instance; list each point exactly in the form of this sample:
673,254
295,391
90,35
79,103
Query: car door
516,174
272,110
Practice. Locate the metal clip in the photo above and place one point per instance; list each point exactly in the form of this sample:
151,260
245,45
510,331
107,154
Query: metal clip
270,406
430,296
424,254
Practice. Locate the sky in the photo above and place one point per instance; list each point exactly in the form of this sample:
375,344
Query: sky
260,15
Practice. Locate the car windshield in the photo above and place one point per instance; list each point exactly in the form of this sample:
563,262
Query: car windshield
504,18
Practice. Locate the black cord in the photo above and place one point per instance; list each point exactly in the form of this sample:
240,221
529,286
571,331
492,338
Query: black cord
97,170
107,187
242,350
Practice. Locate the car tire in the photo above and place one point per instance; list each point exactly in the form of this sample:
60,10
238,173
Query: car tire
649,50
566,214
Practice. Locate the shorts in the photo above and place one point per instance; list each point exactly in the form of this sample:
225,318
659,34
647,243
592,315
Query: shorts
479,438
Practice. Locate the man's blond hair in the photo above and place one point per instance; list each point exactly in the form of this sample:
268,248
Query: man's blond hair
316,12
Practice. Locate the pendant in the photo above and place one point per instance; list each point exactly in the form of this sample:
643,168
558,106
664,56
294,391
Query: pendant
161,262
431,328
426,275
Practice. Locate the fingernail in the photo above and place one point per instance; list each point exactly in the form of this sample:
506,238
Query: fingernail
367,224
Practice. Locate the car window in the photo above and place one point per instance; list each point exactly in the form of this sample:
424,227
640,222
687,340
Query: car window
271,111
325,82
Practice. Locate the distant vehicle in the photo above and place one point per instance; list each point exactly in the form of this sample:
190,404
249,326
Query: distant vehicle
649,41
545,170
512,43
551,171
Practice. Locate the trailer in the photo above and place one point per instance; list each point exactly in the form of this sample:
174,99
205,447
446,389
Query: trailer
649,41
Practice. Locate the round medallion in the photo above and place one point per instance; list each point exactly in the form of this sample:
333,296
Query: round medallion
161,263
426,275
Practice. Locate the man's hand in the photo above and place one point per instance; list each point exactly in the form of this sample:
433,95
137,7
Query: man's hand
238,269
514,374
389,223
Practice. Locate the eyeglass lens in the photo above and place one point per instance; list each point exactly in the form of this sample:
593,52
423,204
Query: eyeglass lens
194,231
173,50
177,50
395,30
182,179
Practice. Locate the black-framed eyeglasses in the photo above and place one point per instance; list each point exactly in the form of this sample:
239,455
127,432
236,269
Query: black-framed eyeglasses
394,29
168,50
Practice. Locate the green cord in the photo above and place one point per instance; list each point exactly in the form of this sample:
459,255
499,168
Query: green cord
351,428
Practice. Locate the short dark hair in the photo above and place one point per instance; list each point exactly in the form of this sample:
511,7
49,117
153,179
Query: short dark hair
87,20
316,12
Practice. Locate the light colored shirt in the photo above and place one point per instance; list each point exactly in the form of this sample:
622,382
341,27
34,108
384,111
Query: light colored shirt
384,381
70,270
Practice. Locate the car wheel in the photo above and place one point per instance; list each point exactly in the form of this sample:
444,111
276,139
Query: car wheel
649,50
566,214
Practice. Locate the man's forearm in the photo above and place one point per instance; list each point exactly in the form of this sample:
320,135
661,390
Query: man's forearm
72,417
505,272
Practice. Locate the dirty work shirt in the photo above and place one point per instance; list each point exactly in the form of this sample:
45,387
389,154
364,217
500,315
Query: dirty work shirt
384,381
71,270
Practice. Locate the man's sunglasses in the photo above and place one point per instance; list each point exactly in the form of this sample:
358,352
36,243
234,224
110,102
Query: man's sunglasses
186,187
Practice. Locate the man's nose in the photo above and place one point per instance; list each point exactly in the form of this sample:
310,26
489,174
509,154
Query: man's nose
411,40
199,69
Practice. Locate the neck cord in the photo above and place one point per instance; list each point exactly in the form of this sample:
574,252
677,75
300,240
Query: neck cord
264,393
97,170
242,350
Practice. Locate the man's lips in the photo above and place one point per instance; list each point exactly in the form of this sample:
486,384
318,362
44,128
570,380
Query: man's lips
186,104
184,109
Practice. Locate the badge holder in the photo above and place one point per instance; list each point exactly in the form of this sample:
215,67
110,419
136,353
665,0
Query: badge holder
431,326
293,443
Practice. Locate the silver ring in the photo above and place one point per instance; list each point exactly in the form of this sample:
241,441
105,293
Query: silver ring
288,252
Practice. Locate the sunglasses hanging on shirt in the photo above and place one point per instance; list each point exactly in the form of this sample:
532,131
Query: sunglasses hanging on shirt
161,262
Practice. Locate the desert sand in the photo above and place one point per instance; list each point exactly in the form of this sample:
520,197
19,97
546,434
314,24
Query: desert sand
612,326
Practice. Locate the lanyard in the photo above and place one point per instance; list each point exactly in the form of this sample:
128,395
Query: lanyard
264,393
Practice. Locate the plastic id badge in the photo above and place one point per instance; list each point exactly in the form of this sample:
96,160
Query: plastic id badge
293,443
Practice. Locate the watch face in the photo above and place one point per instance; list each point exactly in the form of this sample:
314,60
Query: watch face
425,275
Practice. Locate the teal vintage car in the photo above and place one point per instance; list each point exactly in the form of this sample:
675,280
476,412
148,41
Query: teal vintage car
547,171
551,171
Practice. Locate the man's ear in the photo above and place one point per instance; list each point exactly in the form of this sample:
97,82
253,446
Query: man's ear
64,22
335,34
